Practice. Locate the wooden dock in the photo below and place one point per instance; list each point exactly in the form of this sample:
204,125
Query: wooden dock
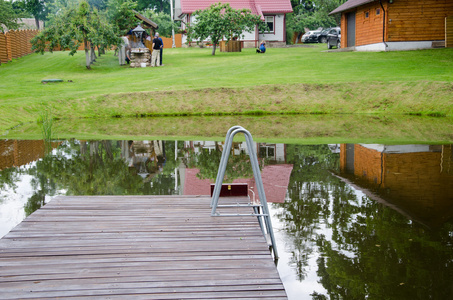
140,247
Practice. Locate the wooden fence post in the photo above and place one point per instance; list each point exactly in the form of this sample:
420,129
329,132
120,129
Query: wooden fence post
3,49
8,46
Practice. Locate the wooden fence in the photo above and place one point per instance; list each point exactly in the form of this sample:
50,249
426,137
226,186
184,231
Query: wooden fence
449,32
15,44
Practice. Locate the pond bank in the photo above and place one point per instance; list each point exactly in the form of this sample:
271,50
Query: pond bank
300,129
378,98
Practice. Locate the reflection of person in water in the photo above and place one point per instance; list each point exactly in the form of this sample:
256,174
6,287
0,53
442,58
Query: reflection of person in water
147,157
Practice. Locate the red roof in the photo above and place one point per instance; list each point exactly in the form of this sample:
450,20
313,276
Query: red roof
256,6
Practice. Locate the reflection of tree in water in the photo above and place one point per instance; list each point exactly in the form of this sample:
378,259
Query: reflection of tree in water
308,190
208,160
374,252
94,168
380,254
9,177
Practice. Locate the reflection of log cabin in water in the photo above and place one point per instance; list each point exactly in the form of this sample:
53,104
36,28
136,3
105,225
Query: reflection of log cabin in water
275,176
417,179
15,153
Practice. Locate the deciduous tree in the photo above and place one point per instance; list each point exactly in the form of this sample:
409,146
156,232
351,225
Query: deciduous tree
222,21
313,14
73,26
8,16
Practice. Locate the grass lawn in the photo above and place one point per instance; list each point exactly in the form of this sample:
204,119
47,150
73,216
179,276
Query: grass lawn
192,82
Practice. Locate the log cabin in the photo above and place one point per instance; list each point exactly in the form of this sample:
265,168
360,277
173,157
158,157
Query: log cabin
389,25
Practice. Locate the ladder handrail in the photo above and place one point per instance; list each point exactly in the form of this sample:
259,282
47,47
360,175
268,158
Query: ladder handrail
256,173
225,155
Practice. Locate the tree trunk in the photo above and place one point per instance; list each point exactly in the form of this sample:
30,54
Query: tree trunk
93,54
37,22
87,54
87,58
213,48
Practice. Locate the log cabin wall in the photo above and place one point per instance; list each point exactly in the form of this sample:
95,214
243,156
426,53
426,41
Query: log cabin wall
369,24
344,30
405,20
418,20
449,32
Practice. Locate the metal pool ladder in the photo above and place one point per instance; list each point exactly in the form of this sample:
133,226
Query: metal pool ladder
261,211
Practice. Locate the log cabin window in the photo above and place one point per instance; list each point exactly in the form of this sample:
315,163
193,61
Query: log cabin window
366,14
378,11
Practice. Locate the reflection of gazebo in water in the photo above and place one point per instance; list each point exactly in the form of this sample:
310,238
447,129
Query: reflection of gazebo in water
415,180
146,158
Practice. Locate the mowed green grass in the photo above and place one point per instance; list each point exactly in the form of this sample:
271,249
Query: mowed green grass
23,96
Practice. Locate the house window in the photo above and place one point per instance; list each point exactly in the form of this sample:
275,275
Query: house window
270,22
378,11
366,14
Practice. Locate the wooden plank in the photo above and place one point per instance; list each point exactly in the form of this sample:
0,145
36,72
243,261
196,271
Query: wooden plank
143,247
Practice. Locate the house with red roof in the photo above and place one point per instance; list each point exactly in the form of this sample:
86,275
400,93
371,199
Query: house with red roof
385,25
273,12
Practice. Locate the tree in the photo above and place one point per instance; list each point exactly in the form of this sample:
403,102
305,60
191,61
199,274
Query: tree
75,25
8,16
154,5
221,20
121,15
37,8
313,14
163,19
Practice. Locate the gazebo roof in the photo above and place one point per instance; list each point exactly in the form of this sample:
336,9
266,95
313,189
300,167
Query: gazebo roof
146,21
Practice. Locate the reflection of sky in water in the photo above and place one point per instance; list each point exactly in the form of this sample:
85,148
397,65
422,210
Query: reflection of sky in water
12,203
296,289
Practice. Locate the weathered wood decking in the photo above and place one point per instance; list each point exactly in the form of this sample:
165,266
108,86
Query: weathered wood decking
141,247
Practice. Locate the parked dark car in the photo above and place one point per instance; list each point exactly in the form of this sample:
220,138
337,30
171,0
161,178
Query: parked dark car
334,38
311,36
322,37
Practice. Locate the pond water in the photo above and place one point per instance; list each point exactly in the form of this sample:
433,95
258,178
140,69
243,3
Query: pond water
352,221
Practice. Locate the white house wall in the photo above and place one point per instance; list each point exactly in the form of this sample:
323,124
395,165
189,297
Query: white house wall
277,36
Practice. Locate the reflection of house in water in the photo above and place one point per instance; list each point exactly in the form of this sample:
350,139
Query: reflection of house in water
15,153
275,175
272,152
146,157
417,180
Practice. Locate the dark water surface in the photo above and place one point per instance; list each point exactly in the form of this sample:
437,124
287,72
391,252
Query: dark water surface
352,221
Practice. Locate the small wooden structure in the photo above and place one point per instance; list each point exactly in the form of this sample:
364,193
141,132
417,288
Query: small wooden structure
230,46
145,247
147,23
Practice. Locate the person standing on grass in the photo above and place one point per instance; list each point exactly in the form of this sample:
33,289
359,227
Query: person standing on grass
161,48
155,57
